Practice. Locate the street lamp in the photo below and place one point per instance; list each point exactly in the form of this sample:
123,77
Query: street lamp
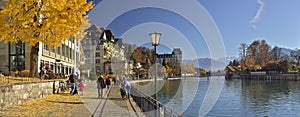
155,37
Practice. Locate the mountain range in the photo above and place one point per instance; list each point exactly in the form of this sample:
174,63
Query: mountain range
209,63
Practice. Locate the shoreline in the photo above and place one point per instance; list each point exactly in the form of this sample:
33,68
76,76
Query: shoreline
291,77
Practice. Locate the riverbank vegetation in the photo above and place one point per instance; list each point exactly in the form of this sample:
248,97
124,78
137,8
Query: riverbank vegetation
260,56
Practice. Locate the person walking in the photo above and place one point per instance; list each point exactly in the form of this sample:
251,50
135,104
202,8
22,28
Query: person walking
108,82
81,87
118,80
72,81
42,70
100,86
114,79
128,87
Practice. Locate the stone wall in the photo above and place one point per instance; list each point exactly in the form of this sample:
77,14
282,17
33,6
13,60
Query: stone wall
21,92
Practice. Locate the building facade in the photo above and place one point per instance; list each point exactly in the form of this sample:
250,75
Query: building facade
91,46
16,57
103,53
176,56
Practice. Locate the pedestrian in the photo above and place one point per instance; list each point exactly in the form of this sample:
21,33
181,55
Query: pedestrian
118,80
81,87
123,93
72,82
108,82
42,70
128,87
100,86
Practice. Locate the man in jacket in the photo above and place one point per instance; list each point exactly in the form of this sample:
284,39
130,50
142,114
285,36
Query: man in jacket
100,86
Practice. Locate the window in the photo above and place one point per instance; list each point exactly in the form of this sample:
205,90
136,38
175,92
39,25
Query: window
17,56
46,47
97,36
71,53
97,60
97,47
58,50
88,61
51,49
97,54
63,49
97,68
67,51
72,40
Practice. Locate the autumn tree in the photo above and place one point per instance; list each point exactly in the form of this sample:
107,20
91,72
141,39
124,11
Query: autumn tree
259,51
175,67
253,50
48,21
250,62
168,70
243,53
264,49
188,68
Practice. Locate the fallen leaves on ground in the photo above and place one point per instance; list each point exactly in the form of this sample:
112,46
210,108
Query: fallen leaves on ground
62,104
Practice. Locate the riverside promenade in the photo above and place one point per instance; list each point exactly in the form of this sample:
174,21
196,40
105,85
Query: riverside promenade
111,105
67,105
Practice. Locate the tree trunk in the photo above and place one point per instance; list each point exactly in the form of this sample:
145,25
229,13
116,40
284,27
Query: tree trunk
34,60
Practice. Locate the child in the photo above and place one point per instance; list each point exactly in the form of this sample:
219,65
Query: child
81,87
123,93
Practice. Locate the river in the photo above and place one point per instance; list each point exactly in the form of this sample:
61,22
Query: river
217,97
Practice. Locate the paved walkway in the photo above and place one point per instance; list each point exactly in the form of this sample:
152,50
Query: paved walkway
111,105
67,105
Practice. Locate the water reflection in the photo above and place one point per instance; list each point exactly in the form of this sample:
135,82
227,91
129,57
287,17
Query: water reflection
238,97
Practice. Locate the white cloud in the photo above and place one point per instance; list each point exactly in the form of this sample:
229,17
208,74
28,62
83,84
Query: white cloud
258,13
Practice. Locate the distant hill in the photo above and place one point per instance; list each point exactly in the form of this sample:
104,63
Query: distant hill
285,52
207,63
226,60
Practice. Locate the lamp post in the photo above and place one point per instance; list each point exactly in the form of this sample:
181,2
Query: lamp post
155,37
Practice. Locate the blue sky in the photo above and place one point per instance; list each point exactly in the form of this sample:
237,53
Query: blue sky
187,26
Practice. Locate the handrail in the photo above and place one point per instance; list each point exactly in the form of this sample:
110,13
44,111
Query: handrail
151,106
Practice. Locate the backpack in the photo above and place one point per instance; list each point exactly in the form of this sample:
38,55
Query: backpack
101,82
107,81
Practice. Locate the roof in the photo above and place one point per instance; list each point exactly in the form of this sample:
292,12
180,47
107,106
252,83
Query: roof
231,68
109,35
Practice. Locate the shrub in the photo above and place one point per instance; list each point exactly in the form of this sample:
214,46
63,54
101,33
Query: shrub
24,73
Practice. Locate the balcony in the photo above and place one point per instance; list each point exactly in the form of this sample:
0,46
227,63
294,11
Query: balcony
57,56
46,52
52,54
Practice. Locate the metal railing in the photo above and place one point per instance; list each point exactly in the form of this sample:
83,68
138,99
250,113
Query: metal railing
150,106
